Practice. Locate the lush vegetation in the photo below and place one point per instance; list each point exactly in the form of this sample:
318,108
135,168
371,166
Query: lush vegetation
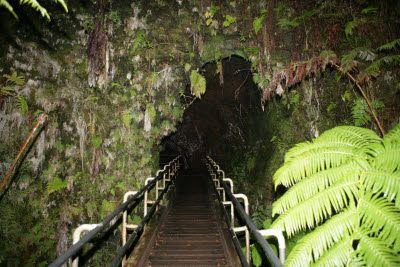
115,77
344,186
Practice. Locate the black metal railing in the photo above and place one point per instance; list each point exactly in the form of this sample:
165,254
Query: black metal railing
245,217
172,167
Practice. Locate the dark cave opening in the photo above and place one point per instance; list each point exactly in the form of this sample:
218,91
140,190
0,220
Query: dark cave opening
221,119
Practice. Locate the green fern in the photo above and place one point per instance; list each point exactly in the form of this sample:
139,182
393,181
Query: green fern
360,111
14,78
9,7
140,38
197,84
260,216
56,185
34,4
345,186
389,46
22,105
127,118
257,24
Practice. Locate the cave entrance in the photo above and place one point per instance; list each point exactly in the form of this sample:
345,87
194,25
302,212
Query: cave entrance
219,121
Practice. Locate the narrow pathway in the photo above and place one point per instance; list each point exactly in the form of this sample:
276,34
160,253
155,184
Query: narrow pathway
192,232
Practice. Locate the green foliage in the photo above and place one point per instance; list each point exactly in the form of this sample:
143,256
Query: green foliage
255,256
197,84
278,144
260,80
369,10
177,113
210,15
284,22
96,141
351,25
34,4
360,111
389,46
139,40
151,111
56,185
228,20
127,118
257,23
115,17
14,78
295,22
344,185
21,105
261,216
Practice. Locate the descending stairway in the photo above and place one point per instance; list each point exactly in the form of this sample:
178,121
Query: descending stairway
190,233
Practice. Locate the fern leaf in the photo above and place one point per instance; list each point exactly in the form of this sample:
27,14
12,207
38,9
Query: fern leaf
386,156
127,118
349,28
382,217
366,55
312,161
6,91
22,105
63,4
138,41
56,184
197,84
257,24
36,5
375,252
359,112
314,210
322,238
339,136
14,78
9,7
393,135
338,255
388,60
314,184
389,46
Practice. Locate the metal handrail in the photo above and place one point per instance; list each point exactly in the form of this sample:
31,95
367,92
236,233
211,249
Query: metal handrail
172,168
216,172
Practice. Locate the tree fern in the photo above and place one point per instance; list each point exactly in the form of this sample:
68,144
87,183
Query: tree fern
34,4
350,201
389,46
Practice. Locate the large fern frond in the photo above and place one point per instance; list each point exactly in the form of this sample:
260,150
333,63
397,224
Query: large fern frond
382,217
313,161
9,7
313,245
389,46
375,251
313,184
338,255
339,136
393,135
36,5
319,207
366,175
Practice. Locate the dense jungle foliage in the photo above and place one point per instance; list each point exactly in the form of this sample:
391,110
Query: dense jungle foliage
111,79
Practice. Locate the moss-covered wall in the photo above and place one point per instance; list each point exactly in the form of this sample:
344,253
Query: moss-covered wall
113,77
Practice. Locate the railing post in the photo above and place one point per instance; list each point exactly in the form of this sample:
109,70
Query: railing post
77,237
125,225
146,201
